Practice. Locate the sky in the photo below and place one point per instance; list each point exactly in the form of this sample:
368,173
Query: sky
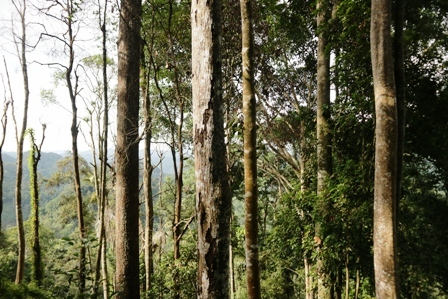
56,117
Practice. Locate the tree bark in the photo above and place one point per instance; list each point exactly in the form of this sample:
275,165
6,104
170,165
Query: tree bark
33,159
127,163
21,10
73,92
250,153
213,200
101,265
324,159
147,177
384,234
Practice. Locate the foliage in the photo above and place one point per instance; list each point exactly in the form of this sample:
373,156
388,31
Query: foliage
288,206
9,290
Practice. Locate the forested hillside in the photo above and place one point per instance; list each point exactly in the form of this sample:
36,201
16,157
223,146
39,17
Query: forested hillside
238,149
47,167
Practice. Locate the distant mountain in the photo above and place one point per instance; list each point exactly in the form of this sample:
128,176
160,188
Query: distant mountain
46,167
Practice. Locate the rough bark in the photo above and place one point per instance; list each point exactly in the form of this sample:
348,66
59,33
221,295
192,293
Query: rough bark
250,153
213,200
384,236
127,164
324,159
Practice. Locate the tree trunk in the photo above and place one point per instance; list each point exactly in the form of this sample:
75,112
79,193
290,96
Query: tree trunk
400,85
384,234
147,177
33,160
309,289
74,132
21,9
127,163
231,270
213,200
104,160
324,159
347,278
250,154
4,122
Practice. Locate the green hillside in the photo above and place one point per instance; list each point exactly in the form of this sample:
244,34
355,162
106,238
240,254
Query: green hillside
47,166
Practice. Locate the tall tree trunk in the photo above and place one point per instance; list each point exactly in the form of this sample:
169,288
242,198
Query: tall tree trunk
213,200
176,145
179,166
21,52
147,176
400,85
384,234
127,163
101,264
104,161
250,153
73,91
324,159
33,161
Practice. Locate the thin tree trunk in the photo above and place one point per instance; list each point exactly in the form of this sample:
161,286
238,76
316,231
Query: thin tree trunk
250,154
231,271
400,85
73,91
347,278
308,283
34,158
77,178
384,234
213,200
21,10
127,161
147,178
324,163
179,166
4,122
104,160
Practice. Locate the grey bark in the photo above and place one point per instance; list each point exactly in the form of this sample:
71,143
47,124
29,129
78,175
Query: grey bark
213,200
21,52
384,234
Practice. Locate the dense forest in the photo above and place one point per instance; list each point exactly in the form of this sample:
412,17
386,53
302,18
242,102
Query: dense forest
238,149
